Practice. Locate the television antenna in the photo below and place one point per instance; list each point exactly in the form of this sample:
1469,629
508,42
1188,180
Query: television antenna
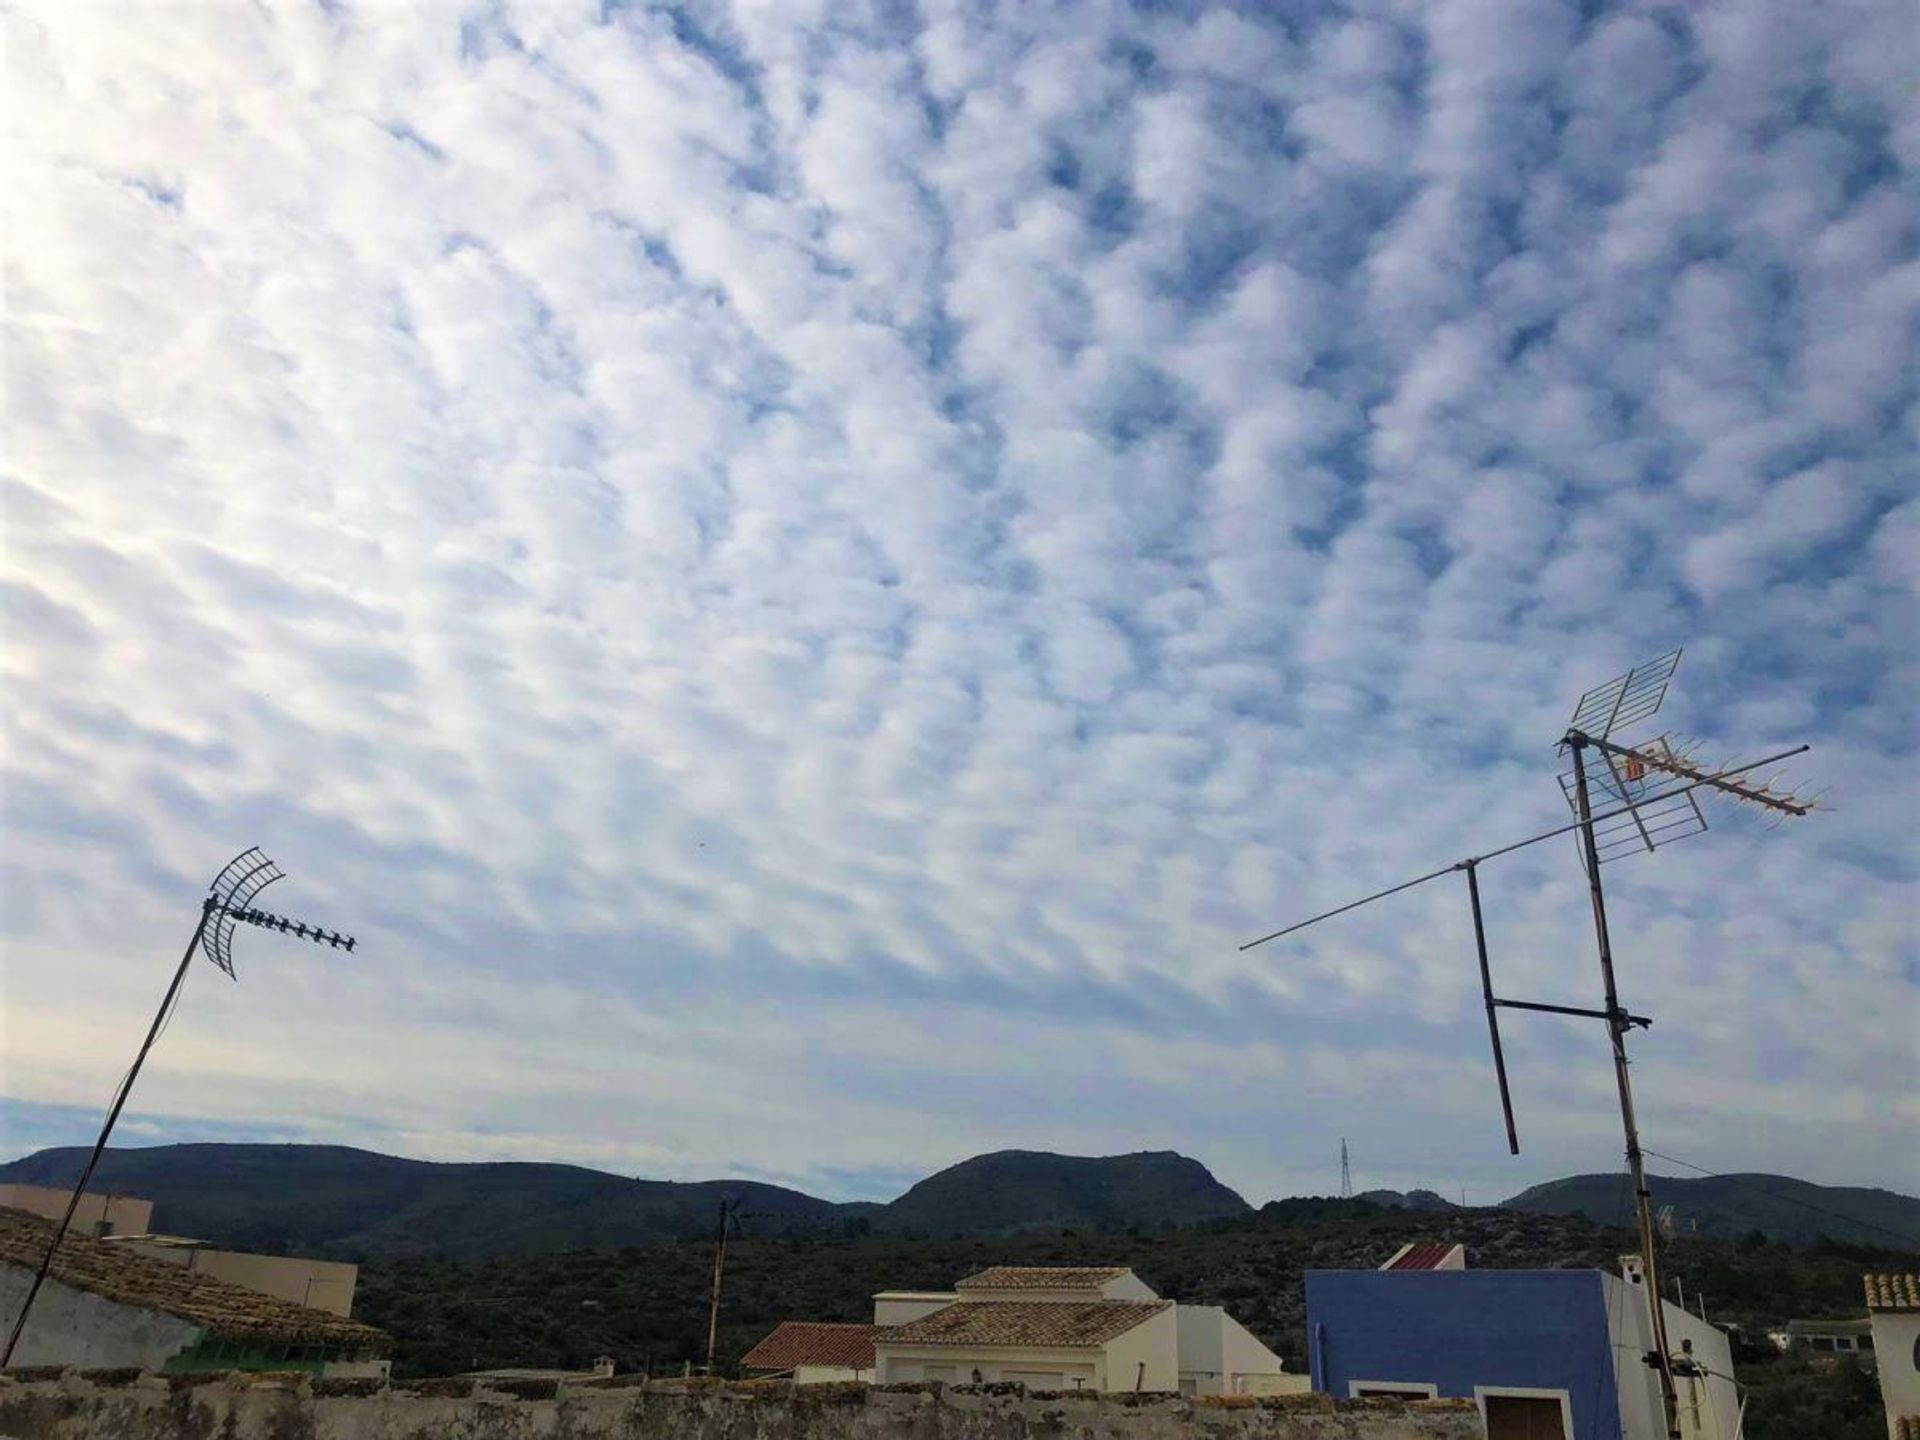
1650,798
230,901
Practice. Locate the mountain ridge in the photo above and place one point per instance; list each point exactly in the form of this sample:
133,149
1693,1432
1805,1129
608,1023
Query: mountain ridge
1734,1205
346,1202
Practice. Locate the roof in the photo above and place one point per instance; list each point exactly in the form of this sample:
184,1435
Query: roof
225,1311
809,1342
1893,1292
1075,1324
1042,1277
1420,1256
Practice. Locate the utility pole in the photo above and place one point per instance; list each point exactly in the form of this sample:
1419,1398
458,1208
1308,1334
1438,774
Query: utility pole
728,1219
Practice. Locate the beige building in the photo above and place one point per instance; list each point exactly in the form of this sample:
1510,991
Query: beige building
125,1221
1893,1305
1069,1328
105,1305
96,1214
318,1284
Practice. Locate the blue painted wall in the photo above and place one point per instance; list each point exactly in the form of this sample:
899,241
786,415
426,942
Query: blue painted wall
1460,1328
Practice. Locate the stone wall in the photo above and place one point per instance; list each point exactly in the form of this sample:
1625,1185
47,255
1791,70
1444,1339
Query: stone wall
127,1405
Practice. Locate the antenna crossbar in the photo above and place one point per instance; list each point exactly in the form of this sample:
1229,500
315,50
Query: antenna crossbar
1523,844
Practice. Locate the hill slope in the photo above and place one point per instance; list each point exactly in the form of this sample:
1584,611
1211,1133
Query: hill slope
332,1200
1727,1207
1012,1190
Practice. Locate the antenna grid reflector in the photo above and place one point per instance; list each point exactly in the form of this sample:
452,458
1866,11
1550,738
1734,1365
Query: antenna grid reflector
1625,699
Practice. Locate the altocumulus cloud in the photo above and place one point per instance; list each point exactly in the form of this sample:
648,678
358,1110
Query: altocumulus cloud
803,574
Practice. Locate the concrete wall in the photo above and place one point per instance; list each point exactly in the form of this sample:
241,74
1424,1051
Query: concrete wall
1896,1346
898,1307
1032,1365
830,1375
322,1284
1147,1357
76,1327
1220,1356
148,1408
1467,1331
1709,1409
123,1214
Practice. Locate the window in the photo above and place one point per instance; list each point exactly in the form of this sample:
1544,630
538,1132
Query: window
1515,1412
1392,1389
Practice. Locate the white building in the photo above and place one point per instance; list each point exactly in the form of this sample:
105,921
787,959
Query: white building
1067,1328
1893,1305
1709,1401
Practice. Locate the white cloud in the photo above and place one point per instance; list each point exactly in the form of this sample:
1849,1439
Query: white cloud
792,575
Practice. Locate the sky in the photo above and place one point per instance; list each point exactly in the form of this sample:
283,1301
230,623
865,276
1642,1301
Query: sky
803,575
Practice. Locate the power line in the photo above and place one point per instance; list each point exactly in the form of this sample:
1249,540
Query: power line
1786,1199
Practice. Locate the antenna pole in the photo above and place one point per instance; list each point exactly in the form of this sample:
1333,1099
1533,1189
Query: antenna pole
100,1145
1346,1172
1618,1023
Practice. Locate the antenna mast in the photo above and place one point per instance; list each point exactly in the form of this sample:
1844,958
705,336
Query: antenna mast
1651,795
229,899
1346,1172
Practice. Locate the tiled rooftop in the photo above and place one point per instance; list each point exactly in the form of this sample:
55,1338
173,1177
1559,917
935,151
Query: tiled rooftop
1071,1323
228,1312
808,1342
1042,1277
1419,1257
1893,1292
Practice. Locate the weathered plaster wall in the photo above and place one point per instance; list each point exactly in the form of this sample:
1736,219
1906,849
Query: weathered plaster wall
74,1327
122,1406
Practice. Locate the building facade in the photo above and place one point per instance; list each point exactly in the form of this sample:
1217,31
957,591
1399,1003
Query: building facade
1545,1354
1893,1307
1069,1328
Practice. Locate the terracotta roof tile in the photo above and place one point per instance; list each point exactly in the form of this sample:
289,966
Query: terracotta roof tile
228,1312
1042,1277
1071,1323
1420,1256
808,1342
1893,1292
